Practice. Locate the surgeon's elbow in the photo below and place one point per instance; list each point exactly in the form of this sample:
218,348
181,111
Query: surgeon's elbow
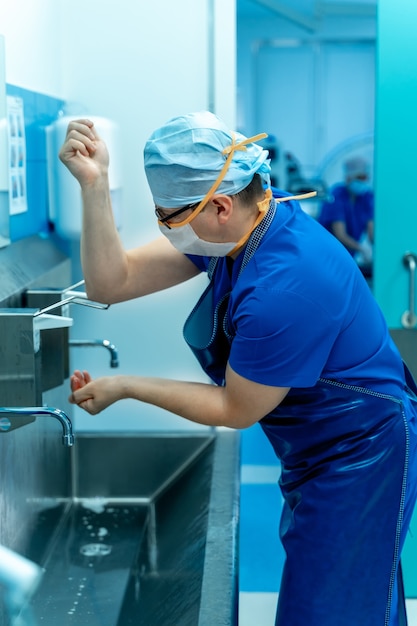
103,294
238,422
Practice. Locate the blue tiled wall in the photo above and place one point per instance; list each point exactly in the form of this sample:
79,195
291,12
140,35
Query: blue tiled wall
39,110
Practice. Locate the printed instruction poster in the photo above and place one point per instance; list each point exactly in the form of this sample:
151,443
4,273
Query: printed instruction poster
17,155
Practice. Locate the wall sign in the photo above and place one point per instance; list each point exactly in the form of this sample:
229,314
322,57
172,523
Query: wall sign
17,155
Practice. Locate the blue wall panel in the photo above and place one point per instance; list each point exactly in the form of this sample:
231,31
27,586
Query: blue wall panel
255,447
39,110
261,554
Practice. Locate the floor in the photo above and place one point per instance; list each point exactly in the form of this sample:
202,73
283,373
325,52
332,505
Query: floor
259,609
260,552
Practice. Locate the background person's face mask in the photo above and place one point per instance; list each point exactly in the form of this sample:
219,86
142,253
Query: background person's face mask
358,187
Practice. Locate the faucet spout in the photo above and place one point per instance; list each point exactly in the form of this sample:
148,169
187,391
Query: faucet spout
105,343
68,435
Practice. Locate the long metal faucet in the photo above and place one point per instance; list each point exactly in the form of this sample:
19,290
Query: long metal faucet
68,435
105,343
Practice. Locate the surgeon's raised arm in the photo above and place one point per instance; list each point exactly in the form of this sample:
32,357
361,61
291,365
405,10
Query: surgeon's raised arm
111,273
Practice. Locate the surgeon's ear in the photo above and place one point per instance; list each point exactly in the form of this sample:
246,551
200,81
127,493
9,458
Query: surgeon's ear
224,207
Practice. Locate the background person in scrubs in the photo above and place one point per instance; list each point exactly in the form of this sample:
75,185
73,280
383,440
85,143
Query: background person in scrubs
300,346
348,213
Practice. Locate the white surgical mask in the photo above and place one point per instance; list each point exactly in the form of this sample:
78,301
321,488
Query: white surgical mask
185,240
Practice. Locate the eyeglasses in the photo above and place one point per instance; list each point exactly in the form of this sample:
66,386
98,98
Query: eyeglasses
165,219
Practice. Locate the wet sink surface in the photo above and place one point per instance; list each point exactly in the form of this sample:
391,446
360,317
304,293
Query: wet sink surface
129,546
88,570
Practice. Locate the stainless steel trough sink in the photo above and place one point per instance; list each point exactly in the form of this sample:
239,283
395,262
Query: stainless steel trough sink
132,467
147,536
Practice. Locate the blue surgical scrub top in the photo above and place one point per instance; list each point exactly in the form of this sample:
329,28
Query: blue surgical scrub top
301,310
354,213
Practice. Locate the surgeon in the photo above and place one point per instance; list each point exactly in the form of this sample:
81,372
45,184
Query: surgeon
348,212
305,351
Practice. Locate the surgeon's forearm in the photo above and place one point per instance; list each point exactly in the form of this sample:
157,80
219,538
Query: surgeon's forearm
102,256
339,231
197,402
239,404
370,231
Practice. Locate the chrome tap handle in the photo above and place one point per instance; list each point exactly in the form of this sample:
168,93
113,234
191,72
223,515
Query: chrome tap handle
75,286
409,318
73,299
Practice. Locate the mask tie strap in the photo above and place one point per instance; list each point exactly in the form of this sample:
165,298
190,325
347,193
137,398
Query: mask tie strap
300,196
263,207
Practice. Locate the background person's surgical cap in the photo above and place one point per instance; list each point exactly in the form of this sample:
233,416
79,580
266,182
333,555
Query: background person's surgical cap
356,166
184,157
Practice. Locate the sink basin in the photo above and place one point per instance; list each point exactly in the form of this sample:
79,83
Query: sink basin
147,536
132,467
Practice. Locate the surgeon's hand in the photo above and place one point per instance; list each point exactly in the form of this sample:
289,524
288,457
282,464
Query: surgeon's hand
94,395
84,153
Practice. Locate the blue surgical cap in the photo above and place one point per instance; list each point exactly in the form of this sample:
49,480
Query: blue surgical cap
184,157
356,166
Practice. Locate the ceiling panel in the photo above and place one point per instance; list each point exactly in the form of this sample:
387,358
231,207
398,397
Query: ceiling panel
305,9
